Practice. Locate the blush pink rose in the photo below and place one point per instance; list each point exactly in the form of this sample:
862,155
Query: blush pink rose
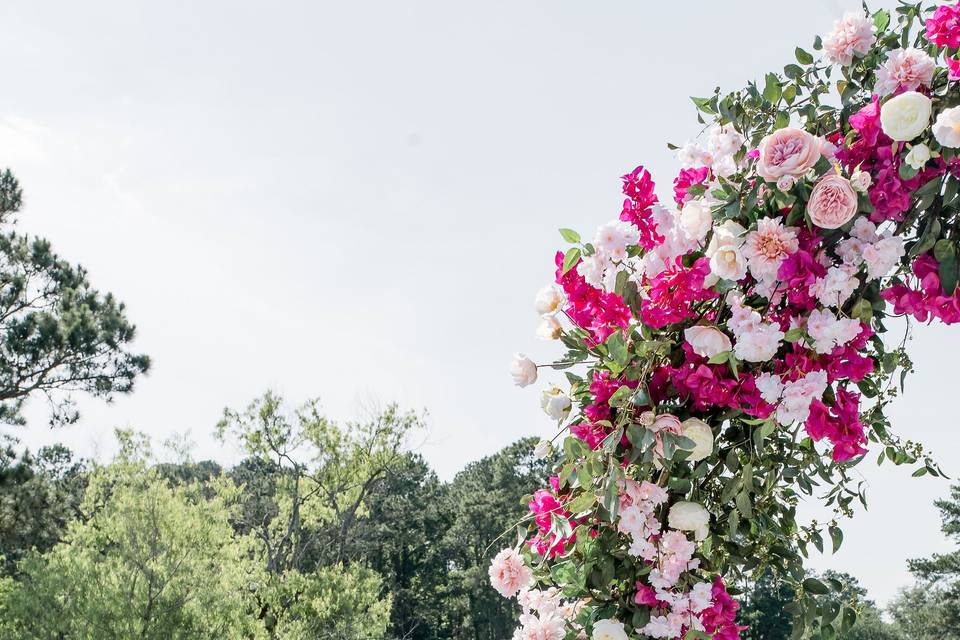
833,202
788,152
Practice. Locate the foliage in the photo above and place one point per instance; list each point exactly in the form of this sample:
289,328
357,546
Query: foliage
58,335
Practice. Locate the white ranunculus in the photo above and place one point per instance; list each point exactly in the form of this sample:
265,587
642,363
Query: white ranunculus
707,341
549,328
549,299
690,516
905,116
523,370
609,630
542,449
918,156
555,403
696,219
702,435
947,128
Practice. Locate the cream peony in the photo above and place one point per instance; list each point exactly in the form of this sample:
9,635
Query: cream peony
707,341
947,128
549,328
609,630
905,116
523,370
724,251
696,219
555,403
702,435
549,299
690,516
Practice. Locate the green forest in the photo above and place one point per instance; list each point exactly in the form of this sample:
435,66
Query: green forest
324,530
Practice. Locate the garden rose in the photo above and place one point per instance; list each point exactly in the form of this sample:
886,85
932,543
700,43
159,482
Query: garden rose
689,516
905,116
508,574
788,152
947,128
696,219
726,257
905,69
523,370
609,630
851,37
707,341
549,299
702,435
833,202
918,157
555,403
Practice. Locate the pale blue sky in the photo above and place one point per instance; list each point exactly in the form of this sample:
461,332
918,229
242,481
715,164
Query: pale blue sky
358,200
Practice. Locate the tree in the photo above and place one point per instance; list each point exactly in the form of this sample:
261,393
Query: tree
762,609
58,335
485,501
940,573
924,612
151,562
309,504
39,495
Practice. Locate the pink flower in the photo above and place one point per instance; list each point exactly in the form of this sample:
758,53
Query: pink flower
686,179
943,29
637,209
851,36
768,246
840,424
905,70
833,202
953,69
788,152
673,292
509,574
720,620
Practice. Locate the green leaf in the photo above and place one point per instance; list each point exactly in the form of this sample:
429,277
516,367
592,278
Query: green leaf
583,503
570,235
705,105
720,358
744,505
836,534
881,19
802,56
570,259
772,89
618,348
793,71
948,273
814,586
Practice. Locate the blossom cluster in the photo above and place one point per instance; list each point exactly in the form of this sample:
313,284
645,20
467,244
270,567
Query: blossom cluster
724,343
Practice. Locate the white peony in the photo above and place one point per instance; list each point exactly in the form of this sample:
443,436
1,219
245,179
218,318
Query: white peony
905,116
609,630
696,219
947,128
542,449
919,156
702,435
523,370
549,299
690,516
555,403
549,328
707,341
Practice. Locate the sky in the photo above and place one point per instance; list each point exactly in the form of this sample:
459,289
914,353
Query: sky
357,201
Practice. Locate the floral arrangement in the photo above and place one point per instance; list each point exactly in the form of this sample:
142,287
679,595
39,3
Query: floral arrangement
724,347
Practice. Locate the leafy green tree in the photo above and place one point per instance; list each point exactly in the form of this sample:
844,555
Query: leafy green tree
151,561
762,609
924,612
39,495
485,501
940,573
58,335
309,508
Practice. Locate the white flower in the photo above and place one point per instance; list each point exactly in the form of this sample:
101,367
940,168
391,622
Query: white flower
591,269
549,328
609,630
947,128
696,219
829,332
723,140
542,449
701,596
691,155
797,396
702,436
690,516
724,251
523,370
905,116
860,181
882,256
707,341
785,183
918,156
612,239
759,344
770,387
833,289
549,299
555,403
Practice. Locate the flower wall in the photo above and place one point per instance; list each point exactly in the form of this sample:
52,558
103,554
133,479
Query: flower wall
725,347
